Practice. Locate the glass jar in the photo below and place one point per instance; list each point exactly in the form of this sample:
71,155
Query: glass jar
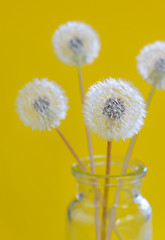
128,213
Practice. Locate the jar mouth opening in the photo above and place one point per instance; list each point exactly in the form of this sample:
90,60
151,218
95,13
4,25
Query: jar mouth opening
135,169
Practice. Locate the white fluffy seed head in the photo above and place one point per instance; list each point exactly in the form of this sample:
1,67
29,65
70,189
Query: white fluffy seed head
42,104
151,63
114,109
76,42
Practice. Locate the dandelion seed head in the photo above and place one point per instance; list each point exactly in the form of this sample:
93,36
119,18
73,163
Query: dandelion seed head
114,109
76,43
42,104
151,63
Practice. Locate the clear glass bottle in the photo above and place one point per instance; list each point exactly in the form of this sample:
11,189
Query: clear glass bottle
128,213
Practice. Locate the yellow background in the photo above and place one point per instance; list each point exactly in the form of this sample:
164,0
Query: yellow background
36,184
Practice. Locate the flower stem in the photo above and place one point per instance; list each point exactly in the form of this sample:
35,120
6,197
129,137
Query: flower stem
97,221
71,150
130,149
111,223
106,190
151,94
90,149
87,129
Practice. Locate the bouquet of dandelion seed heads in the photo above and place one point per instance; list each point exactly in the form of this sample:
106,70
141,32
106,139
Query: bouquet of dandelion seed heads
113,109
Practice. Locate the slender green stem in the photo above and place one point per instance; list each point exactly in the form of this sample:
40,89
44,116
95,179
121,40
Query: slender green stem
106,190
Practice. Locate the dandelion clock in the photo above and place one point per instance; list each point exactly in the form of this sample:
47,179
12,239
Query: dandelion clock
42,104
76,43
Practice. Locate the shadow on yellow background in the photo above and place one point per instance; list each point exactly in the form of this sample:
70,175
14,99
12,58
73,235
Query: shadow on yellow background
36,184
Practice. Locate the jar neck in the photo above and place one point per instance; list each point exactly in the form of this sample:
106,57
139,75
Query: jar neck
127,192
124,188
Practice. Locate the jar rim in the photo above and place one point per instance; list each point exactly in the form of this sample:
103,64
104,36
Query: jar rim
139,171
